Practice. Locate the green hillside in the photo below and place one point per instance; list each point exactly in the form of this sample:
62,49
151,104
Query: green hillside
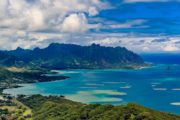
58,108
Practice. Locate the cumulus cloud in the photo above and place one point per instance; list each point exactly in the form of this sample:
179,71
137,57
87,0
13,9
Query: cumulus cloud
36,23
74,23
42,14
21,17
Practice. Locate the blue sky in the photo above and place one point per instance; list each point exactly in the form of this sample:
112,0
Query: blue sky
144,26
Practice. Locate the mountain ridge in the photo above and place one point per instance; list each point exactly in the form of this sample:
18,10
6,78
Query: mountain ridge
71,56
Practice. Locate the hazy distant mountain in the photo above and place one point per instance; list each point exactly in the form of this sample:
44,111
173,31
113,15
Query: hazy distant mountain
64,56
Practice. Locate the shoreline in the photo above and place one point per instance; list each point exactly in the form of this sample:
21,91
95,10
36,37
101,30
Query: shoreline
52,75
28,78
66,78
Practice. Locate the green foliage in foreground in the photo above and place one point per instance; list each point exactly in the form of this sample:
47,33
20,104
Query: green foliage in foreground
56,108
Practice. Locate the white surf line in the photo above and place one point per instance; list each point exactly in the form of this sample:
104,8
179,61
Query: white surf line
176,89
108,92
94,84
112,82
175,103
160,89
88,87
155,83
126,87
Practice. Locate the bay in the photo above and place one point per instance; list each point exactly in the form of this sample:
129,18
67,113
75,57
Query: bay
157,87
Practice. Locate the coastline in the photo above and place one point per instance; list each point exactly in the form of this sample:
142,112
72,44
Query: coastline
27,78
59,73
52,75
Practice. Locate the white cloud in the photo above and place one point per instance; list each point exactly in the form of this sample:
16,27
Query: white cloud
170,48
146,49
74,23
44,14
138,23
41,22
22,21
93,11
37,19
135,42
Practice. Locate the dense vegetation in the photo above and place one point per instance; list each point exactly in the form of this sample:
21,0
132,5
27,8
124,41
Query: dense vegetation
64,56
58,108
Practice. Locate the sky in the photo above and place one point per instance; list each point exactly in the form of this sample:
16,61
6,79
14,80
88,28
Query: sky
143,26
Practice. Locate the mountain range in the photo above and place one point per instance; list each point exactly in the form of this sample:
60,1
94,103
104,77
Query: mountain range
70,56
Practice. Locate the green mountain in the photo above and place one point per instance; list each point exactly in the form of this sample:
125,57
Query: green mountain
64,56
7,59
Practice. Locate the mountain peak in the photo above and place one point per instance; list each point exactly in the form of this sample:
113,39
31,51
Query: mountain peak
36,49
54,44
94,44
19,49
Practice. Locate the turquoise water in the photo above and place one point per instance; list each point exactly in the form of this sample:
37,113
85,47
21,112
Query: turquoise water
154,87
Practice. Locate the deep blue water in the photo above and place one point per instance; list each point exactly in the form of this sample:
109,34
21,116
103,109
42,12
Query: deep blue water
162,58
156,87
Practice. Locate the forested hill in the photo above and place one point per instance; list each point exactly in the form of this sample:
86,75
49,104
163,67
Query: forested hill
57,108
64,56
